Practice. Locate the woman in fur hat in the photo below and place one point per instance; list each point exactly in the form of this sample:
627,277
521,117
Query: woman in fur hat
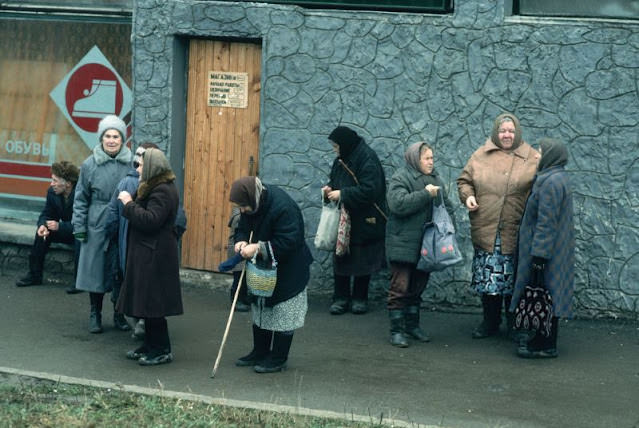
99,176
493,186
151,287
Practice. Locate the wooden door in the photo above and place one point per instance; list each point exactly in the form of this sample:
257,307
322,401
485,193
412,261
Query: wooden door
221,145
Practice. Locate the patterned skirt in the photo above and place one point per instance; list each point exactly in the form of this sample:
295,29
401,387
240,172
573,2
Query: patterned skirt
493,273
285,316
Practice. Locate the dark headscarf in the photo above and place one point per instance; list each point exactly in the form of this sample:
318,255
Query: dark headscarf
553,153
412,155
247,191
346,139
494,135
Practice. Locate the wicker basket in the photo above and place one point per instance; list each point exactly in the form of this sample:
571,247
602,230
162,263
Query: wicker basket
261,280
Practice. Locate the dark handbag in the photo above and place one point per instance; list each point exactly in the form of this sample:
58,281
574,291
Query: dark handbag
261,277
534,311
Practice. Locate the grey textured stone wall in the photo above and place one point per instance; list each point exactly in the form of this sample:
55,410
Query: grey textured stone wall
398,78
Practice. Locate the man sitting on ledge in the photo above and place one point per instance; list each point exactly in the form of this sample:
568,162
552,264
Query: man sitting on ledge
54,224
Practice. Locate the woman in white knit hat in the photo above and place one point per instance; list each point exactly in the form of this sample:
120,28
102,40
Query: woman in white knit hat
99,176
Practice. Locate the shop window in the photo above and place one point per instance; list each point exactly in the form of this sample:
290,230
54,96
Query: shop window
578,8
35,56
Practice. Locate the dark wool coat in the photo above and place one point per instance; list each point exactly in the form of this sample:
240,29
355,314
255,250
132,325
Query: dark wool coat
120,225
151,287
411,207
547,231
56,208
278,220
367,224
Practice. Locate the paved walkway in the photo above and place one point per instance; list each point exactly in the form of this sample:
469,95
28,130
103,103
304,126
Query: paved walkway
341,364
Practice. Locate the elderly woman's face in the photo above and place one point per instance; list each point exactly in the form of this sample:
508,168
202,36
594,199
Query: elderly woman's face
335,147
426,161
111,142
139,167
506,134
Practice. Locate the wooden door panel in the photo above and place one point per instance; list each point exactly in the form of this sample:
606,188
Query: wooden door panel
220,141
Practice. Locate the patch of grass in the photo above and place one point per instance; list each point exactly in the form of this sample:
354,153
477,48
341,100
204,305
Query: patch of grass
30,402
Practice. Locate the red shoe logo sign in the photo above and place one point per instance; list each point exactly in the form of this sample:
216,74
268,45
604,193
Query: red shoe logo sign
91,90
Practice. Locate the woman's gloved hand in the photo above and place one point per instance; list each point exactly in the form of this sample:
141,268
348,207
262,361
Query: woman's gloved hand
537,268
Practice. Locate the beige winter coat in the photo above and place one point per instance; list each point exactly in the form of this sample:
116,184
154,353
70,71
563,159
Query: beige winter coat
500,181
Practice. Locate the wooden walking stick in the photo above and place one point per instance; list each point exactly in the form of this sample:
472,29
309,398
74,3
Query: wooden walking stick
228,322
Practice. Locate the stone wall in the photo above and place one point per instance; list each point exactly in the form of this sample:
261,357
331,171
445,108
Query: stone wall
398,78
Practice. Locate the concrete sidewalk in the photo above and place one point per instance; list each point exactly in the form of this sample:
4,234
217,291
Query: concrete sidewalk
341,364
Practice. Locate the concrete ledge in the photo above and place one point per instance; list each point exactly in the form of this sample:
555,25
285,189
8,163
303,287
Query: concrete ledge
22,234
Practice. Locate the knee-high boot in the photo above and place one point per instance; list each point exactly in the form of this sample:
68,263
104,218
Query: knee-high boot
95,316
261,346
491,306
412,324
397,328
276,360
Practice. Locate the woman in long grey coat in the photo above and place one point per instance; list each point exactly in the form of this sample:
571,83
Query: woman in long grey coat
151,287
99,176
411,193
547,244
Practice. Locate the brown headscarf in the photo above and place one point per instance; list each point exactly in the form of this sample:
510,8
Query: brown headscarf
247,191
494,136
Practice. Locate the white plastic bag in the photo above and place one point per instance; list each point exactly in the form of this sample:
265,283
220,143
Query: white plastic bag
326,236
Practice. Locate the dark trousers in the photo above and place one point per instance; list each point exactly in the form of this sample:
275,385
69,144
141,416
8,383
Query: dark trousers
156,339
406,285
243,296
343,287
41,247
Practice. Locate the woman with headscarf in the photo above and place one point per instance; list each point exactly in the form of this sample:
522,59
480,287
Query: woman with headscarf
547,244
271,227
357,181
151,287
412,192
99,176
493,186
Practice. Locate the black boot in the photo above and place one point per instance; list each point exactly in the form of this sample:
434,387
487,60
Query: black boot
540,346
412,324
34,277
261,346
359,305
95,320
341,295
276,360
492,317
397,338
120,322
95,317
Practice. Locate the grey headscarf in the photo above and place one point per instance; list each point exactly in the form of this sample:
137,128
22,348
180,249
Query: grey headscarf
553,153
155,163
412,155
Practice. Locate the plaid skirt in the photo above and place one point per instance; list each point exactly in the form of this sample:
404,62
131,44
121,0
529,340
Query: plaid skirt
493,273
